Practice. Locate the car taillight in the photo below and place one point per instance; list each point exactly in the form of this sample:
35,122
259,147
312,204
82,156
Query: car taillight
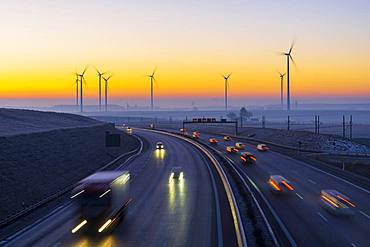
274,185
346,201
329,201
289,187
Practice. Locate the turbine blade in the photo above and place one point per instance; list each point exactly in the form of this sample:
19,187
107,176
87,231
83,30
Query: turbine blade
84,70
279,53
291,47
97,71
155,69
291,58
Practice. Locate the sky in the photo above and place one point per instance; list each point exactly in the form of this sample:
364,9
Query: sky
190,42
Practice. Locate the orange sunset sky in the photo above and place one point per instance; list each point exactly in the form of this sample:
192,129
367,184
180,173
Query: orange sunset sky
191,42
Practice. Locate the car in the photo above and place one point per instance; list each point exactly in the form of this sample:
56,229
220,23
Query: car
159,146
213,141
262,147
231,149
176,174
279,184
240,145
248,158
196,135
337,203
227,138
129,130
151,126
183,131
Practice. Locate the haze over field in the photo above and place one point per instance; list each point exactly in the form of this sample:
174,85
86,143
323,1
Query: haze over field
191,42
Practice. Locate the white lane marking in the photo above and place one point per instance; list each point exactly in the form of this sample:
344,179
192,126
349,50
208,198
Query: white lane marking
322,171
311,181
364,214
299,196
353,245
322,217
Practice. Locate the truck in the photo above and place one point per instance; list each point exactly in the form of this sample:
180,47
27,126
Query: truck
101,200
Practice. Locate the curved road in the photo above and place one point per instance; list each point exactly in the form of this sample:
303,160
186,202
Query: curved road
161,214
301,212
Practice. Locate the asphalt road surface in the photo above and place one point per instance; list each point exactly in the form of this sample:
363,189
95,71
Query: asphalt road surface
309,223
161,214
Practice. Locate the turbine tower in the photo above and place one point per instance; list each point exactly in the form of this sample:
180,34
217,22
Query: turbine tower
152,80
82,78
106,91
77,88
281,89
226,78
288,57
100,74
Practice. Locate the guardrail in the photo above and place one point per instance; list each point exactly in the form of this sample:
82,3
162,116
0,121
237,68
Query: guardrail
10,218
365,155
353,178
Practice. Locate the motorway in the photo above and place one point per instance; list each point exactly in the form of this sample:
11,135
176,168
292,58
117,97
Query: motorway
300,211
193,213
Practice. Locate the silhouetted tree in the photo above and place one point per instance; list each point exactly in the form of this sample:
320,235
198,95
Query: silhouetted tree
244,114
232,116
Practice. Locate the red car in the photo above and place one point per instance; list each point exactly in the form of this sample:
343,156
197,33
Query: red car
248,158
279,184
213,141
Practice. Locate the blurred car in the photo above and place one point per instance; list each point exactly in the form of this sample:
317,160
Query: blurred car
227,138
248,158
336,202
159,145
101,200
176,174
152,126
279,184
231,149
240,145
129,130
196,135
213,141
183,131
262,147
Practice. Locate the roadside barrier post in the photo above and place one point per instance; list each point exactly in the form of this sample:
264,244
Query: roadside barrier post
318,124
344,126
350,127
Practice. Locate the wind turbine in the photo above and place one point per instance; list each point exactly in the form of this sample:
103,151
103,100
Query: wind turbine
281,89
152,80
106,91
76,88
82,78
226,78
100,74
288,57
